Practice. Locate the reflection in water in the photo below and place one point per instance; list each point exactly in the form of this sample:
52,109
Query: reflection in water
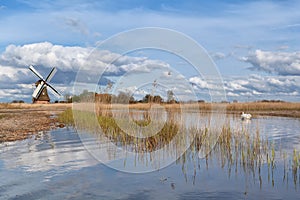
61,151
56,165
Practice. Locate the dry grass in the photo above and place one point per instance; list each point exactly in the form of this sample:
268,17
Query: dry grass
235,149
264,106
251,106
284,109
8,106
34,106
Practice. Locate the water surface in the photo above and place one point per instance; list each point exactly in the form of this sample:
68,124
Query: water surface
56,165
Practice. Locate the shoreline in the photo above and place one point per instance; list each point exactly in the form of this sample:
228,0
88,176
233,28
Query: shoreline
20,121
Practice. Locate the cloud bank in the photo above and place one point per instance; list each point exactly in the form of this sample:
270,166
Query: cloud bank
256,87
16,80
281,63
15,60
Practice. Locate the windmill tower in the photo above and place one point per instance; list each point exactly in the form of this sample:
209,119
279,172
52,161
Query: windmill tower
40,94
44,97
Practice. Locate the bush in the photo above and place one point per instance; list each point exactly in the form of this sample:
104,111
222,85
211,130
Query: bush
17,101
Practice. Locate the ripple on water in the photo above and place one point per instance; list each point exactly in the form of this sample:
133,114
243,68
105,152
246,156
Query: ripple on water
57,166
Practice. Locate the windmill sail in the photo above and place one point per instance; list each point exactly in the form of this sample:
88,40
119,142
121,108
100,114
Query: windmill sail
36,72
41,86
55,92
50,76
38,90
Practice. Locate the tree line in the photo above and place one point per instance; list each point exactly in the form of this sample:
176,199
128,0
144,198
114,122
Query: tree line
121,97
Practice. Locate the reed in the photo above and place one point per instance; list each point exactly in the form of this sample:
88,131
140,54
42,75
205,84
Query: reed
236,149
285,109
295,165
251,106
66,117
264,106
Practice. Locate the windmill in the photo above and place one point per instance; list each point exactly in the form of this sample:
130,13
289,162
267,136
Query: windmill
40,94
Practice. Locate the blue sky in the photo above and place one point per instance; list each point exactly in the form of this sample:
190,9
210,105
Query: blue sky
255,44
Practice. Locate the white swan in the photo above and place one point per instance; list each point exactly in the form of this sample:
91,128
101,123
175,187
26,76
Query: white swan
245,116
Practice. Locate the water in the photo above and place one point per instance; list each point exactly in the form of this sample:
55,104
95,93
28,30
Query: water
56,165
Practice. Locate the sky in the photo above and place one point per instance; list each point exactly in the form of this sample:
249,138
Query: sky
254,45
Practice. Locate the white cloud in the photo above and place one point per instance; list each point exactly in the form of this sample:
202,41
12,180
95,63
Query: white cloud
282,63
256,87
45,54
217,55
72,58
204,84
199,82
68,60
10,73
232,94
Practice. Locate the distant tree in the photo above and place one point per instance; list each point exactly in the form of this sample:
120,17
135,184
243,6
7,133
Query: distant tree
124,98
68,98
225,102
17,101
75,98
86,96
103,98
147,98
157,99
170,96
152,99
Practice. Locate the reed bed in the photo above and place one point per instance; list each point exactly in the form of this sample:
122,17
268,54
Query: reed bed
284,109
264,106
234,149
251,106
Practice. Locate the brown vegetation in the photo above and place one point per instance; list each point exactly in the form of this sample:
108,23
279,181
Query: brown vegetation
284,109
19,121
235,148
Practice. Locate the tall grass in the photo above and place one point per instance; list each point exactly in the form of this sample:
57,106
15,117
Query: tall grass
286,109
236,149
264,106
66,117
252,106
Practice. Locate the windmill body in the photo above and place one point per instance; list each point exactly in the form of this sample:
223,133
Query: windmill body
40,94
43,98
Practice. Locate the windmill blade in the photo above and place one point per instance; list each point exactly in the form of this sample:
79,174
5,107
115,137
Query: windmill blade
55,92
38,90
51,74
36,72
43,83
